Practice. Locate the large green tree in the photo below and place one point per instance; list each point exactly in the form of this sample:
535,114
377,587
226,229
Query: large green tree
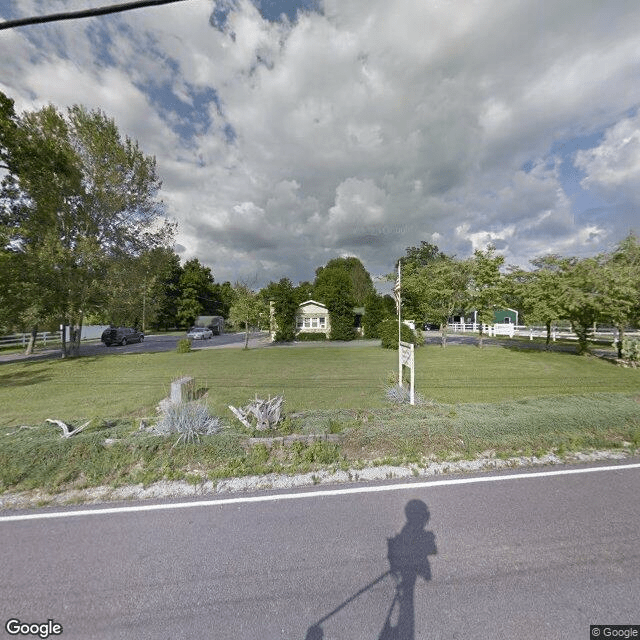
333,286
437,289
415,259
582,296
143,290
197,293
77,195
536,293
361,283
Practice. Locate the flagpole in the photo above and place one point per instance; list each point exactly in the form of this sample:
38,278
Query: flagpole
399,299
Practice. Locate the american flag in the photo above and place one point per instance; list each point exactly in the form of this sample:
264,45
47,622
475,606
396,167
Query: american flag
396,291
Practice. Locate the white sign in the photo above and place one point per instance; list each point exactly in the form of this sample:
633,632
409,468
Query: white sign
406,359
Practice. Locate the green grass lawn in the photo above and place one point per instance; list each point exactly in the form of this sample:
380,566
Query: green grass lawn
507,400
311,378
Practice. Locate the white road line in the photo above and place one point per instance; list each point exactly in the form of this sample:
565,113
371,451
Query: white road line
321,493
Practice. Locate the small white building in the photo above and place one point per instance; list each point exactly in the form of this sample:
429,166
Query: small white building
312,317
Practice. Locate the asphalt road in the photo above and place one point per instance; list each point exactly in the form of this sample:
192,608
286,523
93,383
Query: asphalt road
151,343
527,557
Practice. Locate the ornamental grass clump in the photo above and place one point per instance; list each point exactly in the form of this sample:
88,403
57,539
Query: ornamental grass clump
189,419
402,395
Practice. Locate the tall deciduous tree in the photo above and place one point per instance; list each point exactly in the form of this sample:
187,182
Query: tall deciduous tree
361,283
248,309
538,291
197,293
622,286
486,285
415,259
76,196
437,289
582,296
285,301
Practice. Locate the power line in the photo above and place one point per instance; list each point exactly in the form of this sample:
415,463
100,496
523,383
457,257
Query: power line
83,13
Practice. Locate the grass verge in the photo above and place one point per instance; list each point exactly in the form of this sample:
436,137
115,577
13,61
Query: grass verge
494,401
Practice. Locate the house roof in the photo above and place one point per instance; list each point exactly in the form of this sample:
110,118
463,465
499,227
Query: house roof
307,302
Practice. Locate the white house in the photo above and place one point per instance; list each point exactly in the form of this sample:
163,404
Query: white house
312,317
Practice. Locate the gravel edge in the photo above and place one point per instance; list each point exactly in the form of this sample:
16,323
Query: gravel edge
183,489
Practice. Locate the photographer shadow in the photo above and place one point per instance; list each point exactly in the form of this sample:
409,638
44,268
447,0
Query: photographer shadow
408,554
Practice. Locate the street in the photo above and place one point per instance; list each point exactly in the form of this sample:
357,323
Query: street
510,555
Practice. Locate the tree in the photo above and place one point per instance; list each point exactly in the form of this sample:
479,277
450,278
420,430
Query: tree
197,293
437,289
285,305
374,313
143,290
423,255
303,292
486,285
361,283
333,286
77,196
582,298
622,286
247,310
416,258
538,291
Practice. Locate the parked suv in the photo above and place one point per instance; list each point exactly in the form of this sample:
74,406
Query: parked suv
121,335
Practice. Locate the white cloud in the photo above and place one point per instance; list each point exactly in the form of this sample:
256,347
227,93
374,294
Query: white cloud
615,163
364,130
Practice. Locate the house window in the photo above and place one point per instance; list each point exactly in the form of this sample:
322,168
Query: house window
322,323
299,323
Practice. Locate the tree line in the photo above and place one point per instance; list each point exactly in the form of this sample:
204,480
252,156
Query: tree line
84,239
582,292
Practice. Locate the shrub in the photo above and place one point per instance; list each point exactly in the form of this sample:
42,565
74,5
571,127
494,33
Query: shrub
184,345
309,336
188,419
389,333
631,350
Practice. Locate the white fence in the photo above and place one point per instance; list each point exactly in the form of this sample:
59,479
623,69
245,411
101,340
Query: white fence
22,339
44,338
609,334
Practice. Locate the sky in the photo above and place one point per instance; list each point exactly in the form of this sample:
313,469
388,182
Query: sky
291,132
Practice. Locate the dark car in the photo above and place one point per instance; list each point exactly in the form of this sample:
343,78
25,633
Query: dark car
121,335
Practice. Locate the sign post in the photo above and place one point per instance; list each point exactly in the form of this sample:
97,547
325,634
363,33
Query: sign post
406,359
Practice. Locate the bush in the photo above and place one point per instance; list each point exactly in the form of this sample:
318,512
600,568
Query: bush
389,333
342,327
309,336
631,350
184,345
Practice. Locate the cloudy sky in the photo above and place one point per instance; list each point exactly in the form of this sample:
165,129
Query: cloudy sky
289,132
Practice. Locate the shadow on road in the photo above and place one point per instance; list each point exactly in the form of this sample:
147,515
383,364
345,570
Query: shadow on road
408,555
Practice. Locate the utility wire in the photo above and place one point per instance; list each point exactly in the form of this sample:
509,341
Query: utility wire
83,13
